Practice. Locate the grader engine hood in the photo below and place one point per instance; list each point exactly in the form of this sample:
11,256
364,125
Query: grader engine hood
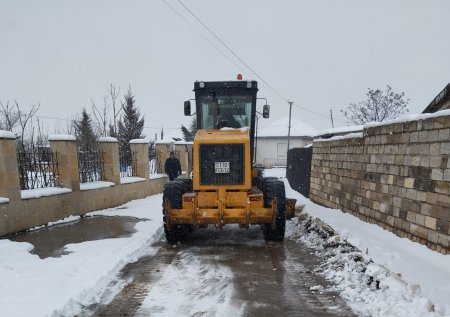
222,158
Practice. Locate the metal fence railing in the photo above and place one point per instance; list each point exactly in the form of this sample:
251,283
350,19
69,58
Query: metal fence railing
127,161
91,166
38,168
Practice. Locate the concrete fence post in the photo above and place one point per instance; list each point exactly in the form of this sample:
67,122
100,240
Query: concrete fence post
110,148
162,150
66,148
139,150
9,174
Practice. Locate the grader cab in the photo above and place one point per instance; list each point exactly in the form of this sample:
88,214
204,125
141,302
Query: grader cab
225,188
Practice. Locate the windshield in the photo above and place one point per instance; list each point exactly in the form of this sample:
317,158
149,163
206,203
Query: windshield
220,111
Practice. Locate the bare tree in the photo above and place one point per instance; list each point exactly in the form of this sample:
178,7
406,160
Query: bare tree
42,137
113,94
24,119
9,117
379,106
101,115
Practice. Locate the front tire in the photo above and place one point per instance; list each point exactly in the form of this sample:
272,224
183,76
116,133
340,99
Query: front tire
172,196
274,189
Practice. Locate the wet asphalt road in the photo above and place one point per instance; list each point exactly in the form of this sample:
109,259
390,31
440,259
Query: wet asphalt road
269,278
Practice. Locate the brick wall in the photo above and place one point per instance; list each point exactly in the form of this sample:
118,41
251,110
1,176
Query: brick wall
395,175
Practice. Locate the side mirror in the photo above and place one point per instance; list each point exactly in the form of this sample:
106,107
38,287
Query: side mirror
187,108
266,111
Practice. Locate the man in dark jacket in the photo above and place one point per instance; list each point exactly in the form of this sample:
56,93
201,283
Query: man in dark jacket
172,166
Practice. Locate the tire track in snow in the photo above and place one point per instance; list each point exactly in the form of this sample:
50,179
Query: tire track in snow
139,277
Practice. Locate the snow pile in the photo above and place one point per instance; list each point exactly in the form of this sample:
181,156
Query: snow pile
369,288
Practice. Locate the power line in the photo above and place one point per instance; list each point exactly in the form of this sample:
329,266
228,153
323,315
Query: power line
201,34
53,118
61,119
231,51
311,111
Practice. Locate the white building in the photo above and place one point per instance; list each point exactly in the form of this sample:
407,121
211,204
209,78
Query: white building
272,141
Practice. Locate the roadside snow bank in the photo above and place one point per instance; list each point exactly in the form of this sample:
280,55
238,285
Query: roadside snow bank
370,289
416,278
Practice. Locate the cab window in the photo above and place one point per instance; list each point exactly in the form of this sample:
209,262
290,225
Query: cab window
225,111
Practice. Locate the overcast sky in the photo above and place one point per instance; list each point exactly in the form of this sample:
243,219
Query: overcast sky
322,55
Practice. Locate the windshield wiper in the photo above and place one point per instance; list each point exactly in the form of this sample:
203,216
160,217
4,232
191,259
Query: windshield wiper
235,107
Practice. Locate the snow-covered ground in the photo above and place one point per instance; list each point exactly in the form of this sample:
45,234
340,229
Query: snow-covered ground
406,279
31,286
209,283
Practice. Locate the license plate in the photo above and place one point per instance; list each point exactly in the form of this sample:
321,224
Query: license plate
222,167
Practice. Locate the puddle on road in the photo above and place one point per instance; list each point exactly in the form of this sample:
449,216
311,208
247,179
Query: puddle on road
51,241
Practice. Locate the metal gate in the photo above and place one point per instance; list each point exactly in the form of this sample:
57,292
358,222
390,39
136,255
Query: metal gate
298,169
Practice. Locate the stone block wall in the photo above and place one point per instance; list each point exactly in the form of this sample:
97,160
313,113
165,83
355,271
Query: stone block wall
395,175
17,214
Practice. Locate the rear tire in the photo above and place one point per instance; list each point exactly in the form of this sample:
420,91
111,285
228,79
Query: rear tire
274,188
173,194
187,184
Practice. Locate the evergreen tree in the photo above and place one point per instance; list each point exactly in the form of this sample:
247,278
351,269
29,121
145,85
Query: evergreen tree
189,134
131,124
86,138
111,132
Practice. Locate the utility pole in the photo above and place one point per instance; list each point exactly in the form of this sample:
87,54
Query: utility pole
332,122
289,130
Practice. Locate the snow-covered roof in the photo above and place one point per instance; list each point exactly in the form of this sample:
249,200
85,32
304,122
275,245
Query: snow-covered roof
171,136
279,128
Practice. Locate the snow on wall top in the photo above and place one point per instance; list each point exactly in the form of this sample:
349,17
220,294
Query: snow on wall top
411,117
7,135
107,139
61,137
279,128
358,135
139,141
340,130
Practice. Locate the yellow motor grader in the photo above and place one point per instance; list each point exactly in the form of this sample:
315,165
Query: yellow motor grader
226,187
